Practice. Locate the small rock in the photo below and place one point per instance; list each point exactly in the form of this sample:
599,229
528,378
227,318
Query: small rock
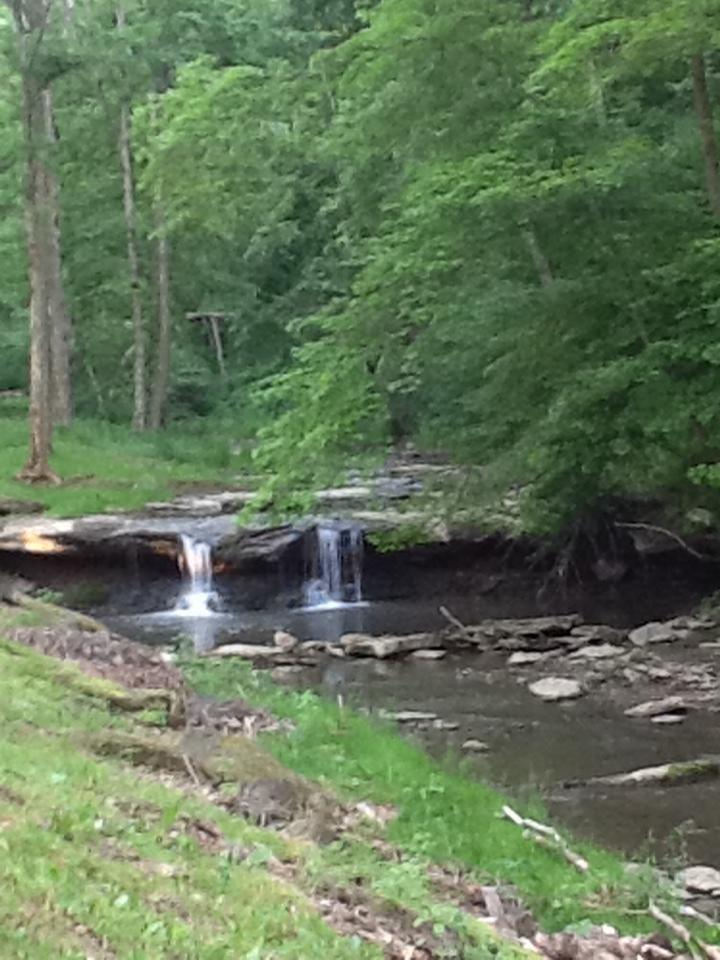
701,880
658,673
599,633
552,689
445,725
285,641
523,658
631,676
668,719
411,716
429,654
475,746
656,633
336,651
602,652
658,708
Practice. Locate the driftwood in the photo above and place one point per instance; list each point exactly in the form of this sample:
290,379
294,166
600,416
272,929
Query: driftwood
683,934
548,838
653,528
458,624
668,774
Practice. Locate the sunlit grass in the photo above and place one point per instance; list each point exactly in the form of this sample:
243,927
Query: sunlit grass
107,467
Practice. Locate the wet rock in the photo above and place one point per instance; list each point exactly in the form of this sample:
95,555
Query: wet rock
604,651
247,651
445,725
668,719
652,633
524,658
527,628
429,654
656,708
700,880
250,547
285,641
363,645
598,633
411,716
475,746
553,689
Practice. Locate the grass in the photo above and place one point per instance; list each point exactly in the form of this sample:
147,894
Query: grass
106,467
100,859
444,816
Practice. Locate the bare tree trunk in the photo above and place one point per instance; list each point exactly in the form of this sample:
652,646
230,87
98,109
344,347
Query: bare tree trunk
39,228
60,324
164,343
140,388
139,421
703,109
540,261
30,21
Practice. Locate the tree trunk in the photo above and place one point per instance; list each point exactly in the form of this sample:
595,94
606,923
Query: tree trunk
40,240
164,343
140,390
60,324
703,109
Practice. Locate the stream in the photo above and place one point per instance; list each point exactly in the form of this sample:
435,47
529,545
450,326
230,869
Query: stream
532,746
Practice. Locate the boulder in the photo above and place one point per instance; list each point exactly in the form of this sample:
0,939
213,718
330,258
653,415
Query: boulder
704,881
528,627
553,689
658,708
475,746
381,648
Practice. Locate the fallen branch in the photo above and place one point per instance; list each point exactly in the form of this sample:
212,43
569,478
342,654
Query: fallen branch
682,933
652,528
547,837
458,624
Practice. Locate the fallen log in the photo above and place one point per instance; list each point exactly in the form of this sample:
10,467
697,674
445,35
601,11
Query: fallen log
666,774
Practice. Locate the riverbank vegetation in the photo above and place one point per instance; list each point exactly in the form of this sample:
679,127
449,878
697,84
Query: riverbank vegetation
486,228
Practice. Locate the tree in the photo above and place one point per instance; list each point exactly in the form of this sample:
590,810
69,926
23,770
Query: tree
32,20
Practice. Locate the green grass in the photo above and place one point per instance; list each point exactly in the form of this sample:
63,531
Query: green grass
445,816
98,859
107,467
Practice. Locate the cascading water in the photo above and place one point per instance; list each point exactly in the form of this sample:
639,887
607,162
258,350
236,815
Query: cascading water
334,561
195,563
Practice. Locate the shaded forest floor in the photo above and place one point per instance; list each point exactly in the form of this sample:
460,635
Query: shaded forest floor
261,823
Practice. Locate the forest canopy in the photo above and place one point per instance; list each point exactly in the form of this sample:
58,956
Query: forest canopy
486,227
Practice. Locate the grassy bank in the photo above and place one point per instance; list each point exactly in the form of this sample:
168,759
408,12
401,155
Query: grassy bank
445,816
104,466
111,850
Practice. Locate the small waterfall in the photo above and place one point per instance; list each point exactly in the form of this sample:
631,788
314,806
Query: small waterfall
195,563
334,562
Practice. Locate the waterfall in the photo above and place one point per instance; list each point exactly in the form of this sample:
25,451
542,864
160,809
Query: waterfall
195,561
334,562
